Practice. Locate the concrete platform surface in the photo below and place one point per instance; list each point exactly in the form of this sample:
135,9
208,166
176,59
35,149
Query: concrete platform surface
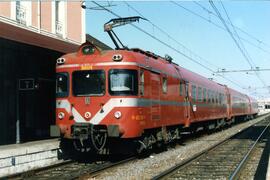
268,170
17,158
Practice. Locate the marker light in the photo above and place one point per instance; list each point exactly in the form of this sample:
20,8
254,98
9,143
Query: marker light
61,115
117,114
87,115
117,57
60,61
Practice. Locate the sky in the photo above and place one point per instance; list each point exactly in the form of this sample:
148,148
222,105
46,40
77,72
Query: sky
193,29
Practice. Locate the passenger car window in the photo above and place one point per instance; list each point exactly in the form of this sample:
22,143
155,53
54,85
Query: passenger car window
193,92
209,96
199,94
213,96
204,95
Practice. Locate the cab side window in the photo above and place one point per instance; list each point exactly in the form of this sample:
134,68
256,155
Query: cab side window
164,85
141,83
181,88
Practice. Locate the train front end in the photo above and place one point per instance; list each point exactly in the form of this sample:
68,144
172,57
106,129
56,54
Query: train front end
97,99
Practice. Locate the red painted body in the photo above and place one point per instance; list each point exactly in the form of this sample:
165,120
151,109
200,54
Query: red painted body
162,104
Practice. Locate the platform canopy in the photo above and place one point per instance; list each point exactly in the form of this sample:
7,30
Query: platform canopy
32,37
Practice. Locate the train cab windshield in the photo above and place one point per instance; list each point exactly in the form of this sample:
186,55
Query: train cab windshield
88,83
123,82
61,84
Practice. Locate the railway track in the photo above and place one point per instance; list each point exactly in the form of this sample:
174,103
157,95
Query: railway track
70,170
230,159
73,170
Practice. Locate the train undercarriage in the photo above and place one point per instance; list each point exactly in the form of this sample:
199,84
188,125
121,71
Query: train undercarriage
99,139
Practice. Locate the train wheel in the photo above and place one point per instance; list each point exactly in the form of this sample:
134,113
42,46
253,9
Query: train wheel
144,145
141,147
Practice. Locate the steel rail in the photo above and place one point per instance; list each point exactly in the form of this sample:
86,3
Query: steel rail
97,171
107,166
189,160
34,171
186,162
240,166
89,171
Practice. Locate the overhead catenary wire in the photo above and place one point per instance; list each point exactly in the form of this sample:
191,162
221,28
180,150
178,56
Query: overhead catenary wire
239,44
230,33
169,46
217,25
242,70
233,27
169,36
173,39
240,29
239,38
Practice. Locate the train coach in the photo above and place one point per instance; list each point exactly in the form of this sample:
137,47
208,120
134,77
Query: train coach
135,96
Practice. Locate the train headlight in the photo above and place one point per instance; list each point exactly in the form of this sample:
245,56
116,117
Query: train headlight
117,114
87,115
61,115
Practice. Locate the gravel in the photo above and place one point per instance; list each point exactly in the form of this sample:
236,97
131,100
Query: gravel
149,167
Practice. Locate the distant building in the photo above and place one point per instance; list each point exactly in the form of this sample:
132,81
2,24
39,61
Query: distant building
264,105
32,36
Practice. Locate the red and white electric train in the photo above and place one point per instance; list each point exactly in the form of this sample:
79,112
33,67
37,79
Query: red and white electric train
135,96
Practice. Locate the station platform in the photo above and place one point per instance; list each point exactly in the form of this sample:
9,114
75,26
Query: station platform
268,169
18,158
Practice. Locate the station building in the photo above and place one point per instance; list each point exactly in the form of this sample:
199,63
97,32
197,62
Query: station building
32,36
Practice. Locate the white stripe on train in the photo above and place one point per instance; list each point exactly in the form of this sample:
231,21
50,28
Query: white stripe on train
100,115
121,102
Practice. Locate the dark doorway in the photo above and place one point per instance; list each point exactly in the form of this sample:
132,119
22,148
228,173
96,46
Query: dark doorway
36,106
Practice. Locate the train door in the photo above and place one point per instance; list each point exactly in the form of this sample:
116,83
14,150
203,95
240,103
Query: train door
155,97
229,103
187,104
248,102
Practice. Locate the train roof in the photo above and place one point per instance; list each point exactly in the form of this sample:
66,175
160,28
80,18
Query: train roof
145,59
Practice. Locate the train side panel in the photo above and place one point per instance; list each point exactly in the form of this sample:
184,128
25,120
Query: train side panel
240,105
207,98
